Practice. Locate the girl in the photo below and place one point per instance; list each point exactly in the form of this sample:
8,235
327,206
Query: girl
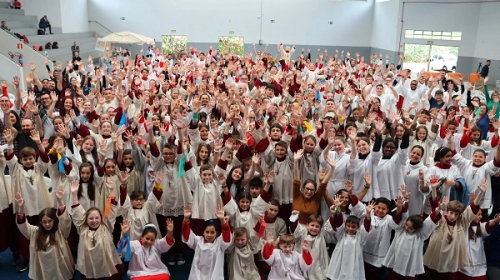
424,138
57,152
145,259
242,211
50,256
286,263
343,162
201,156
97,256
404,258
208,261
89,187
477,169
127,164
475,247
390,166
309,163
415,180
472,140
88,151
367,162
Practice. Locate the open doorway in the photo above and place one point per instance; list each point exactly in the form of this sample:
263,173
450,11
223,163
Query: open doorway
430,58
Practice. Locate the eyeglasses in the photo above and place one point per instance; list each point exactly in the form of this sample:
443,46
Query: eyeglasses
309,190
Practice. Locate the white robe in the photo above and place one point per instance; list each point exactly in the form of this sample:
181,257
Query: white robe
206,197
405,254
343,163
246,219
347,258
390,174
450,174
282,265
147,262
140,217
412,182
208,261
473,176
475,252
317,248
358,172
379,238
5,188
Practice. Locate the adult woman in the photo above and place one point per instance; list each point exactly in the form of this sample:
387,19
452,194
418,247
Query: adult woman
415,180
308,201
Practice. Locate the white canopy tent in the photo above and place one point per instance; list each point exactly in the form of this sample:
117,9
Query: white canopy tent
125,37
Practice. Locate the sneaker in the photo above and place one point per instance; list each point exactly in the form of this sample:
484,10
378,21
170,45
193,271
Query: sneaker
16,259
171,260
25,264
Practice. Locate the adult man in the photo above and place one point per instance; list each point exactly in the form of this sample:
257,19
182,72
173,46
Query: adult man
486,69
75,48
76,60
48,126
44,23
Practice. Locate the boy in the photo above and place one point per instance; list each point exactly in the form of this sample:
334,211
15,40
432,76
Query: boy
255,187
286,264
317,238
27,179
347,259
447,250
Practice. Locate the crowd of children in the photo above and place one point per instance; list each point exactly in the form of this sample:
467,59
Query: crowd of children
265,167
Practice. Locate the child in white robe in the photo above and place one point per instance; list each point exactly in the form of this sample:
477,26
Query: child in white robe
97,256
145,254
347,258
140,212
241,253
379,237
317,236
50,256
208,261
474,237
286,263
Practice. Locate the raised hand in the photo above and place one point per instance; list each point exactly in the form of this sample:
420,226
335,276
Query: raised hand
256,159
35,136
170,225
404,192
336,201
298,155
9,136
74,185
444,203
159,177
421,174
369,207
125,225
124,176
331,162
399,202
220,212
60,193
19,200
435,182
484,185
270,238
305,246
368,179
322,174
188,211
110,184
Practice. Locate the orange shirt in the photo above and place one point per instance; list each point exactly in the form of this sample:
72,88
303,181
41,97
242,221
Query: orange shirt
307,207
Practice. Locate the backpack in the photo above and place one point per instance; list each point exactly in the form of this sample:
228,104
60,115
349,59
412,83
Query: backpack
55,45
40,32
48,46
38,48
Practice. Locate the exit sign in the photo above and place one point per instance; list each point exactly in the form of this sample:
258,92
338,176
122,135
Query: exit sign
231,32
430,42
330,22
173,31
272,21
122,18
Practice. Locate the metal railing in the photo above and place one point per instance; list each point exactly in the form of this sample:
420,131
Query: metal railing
101,25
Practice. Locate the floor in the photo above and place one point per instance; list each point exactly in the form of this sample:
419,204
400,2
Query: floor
8,272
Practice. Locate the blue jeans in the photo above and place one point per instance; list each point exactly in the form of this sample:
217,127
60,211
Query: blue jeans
45,28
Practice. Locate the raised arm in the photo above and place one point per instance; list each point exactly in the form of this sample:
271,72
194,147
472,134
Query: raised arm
296,162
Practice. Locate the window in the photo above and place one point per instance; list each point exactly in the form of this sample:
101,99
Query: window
173,43
433,35
232,43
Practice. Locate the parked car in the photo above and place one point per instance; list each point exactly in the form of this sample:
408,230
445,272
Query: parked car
444,61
